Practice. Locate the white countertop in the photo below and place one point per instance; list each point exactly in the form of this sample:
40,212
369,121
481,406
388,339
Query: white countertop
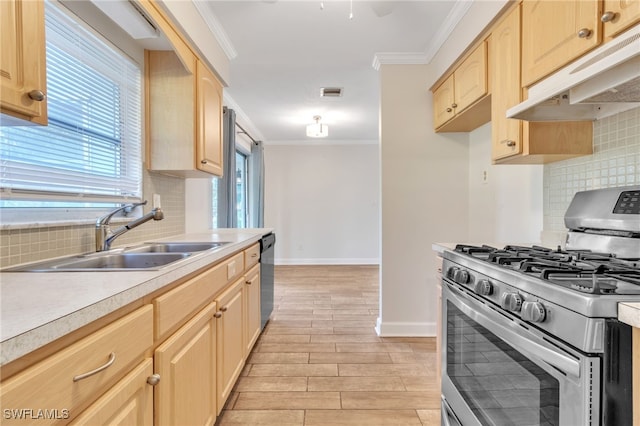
37,308
629,313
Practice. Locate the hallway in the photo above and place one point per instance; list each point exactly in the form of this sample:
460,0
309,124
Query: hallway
320,362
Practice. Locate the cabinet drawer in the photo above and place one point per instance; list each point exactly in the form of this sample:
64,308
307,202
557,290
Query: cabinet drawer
129,402
119,344
251,256
175,307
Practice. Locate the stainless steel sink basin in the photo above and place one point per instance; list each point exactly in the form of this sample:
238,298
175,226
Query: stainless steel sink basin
177,247
148,256
104,261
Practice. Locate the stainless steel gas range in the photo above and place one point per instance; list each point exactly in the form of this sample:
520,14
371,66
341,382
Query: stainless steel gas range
530,334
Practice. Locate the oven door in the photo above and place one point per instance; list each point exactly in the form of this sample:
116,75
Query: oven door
497,370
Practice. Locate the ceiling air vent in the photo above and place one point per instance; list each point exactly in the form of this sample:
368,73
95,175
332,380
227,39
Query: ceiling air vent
331,92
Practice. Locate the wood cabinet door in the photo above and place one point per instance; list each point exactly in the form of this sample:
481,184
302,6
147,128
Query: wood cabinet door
619,15
186,394
505,83
470,79
443,101
129,402
554,33
231,353
209,135
252,307
23,59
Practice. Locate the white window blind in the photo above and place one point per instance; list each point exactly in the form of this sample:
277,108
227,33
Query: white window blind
91,150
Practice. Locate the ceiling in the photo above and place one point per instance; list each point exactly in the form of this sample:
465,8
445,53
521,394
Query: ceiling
283,52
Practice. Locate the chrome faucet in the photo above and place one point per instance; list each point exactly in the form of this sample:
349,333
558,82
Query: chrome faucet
104,235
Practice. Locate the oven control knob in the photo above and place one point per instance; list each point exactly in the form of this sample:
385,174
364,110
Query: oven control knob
483,287
533,311
451,272
511,302
461,276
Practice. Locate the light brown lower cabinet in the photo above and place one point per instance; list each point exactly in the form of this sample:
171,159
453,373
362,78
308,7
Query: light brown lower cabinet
129,402
252,307
230,338
59,387
186,363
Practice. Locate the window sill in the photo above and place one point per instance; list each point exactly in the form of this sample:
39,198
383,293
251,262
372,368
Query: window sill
59,223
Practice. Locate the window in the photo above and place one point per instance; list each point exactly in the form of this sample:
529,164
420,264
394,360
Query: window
89,156
241,190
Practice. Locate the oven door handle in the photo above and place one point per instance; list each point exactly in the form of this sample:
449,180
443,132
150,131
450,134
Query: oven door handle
550,356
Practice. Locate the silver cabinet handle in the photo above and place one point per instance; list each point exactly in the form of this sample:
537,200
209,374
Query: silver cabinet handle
37,95
449,110
218,315
254,255
584,33
608,16
454,105
112,359
153,379
203,161
223,309
509,142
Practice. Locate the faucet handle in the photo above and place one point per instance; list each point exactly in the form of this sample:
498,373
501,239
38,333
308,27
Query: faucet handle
129,207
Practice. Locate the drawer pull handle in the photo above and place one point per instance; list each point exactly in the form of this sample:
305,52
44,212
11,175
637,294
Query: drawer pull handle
509,142
153,379
248,282
112,359
254,255
223,309
218,315
449,110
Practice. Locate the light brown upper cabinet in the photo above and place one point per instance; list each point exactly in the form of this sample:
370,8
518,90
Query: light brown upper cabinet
461,101
184,108
554,33
618,15
23,79
515,141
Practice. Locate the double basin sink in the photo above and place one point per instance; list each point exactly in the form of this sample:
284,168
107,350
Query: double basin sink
148,256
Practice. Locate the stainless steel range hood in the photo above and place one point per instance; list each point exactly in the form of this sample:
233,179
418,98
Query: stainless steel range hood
604,82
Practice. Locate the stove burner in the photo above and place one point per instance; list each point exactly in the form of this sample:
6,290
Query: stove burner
581,270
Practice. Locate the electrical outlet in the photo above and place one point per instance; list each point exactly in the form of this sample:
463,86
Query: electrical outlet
156,201
485,176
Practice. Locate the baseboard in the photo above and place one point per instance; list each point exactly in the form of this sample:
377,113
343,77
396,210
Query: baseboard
328,261
405,329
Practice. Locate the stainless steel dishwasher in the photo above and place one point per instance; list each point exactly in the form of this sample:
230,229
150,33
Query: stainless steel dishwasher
267,246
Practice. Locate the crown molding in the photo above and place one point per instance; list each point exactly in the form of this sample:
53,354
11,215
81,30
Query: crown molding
459,9
393,58
216,28
322,142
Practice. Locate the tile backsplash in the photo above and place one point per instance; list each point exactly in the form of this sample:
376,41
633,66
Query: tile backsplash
31,244
615,162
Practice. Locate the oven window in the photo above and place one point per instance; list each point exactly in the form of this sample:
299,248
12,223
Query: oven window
499,384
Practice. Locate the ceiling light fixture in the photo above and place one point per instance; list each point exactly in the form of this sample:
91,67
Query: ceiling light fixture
317,129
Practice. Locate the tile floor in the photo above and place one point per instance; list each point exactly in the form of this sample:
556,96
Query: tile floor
320,362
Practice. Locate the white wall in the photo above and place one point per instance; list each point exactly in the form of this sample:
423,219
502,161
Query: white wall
506,208
323,201
424,200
